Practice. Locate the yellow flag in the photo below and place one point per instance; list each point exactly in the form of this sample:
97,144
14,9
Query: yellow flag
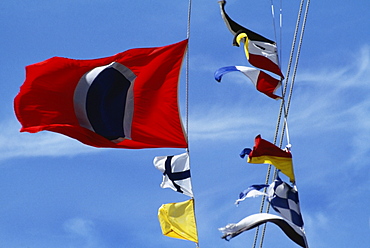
178,221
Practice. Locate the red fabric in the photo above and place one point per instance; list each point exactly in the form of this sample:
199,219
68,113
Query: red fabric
264,148
267,85
264,63
45,100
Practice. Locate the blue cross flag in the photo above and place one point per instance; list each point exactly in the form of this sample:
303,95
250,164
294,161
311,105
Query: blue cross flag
176,172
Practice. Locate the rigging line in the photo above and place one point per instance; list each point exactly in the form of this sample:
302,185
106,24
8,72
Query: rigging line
292,51
282,107
267,182
277,129
187,75
273,18
290,94
281,28
187,99
298,54
195,219
286,108
275,33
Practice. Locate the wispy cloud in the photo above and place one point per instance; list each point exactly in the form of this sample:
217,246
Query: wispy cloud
323,99
337,99
81,229
219,123
15,144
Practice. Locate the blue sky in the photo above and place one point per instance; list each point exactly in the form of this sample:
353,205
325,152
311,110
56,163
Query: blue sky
59,193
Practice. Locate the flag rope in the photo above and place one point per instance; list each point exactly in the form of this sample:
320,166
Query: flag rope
187,102
283,89
187,75
281,26
195,219
284,107
274,26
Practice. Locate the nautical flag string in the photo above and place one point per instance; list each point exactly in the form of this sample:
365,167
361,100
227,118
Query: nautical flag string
260,51
282,197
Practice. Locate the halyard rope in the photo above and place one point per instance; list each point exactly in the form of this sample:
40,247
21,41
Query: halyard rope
187,95
187,75
284,107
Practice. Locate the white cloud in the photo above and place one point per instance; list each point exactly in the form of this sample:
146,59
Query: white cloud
16,144
220,123
83,230
79,226
337,99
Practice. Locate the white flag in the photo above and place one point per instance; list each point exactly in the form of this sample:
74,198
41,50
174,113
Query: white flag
295,233
176,172
251,191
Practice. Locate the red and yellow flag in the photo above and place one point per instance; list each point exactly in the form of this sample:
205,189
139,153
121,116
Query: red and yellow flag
265,152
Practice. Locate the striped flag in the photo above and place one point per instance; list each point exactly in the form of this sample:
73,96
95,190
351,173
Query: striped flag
263,82
176,172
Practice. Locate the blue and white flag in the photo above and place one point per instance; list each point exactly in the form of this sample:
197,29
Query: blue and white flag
251,191
176,172
284,200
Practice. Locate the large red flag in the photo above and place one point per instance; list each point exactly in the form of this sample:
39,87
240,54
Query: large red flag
129,100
